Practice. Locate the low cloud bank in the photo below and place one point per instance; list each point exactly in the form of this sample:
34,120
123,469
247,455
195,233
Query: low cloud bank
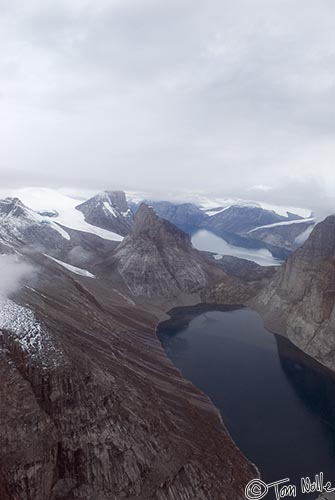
14,274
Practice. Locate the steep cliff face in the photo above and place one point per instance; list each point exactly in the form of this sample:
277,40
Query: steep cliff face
158,260
92,409
301,296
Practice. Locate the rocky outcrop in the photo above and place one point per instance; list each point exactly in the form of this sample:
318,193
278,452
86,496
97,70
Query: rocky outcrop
108,210
299,301
158,260
243,281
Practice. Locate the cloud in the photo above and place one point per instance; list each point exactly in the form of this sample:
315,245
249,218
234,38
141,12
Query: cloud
14,273
145,94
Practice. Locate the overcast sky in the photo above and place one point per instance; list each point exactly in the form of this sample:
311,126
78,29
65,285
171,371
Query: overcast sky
233,97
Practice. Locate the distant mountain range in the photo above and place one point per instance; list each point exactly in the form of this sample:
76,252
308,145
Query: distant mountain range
242,225
110,215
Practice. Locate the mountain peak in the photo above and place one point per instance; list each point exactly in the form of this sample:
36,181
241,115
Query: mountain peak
158,260
321,242
149,224
114,198
108,210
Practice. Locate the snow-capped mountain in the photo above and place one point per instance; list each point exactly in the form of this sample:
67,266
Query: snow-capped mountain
108,210
21,225
23,230
60,206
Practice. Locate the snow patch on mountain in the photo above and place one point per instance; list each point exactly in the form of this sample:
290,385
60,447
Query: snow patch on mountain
60,230
283,223
110,209
72,269
20,326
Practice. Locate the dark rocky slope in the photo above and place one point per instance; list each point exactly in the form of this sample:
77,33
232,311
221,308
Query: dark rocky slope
300,299
242,268
91,409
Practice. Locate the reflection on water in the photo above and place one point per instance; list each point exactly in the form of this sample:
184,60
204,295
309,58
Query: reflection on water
314,384
277,403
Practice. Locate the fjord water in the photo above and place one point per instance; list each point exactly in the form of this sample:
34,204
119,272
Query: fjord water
277,403
209,242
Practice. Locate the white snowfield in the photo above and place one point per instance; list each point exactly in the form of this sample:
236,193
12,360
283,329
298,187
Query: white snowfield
72,269
46,199
24,329
35,217
283,223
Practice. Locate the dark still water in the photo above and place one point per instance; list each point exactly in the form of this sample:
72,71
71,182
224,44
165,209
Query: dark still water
277,403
